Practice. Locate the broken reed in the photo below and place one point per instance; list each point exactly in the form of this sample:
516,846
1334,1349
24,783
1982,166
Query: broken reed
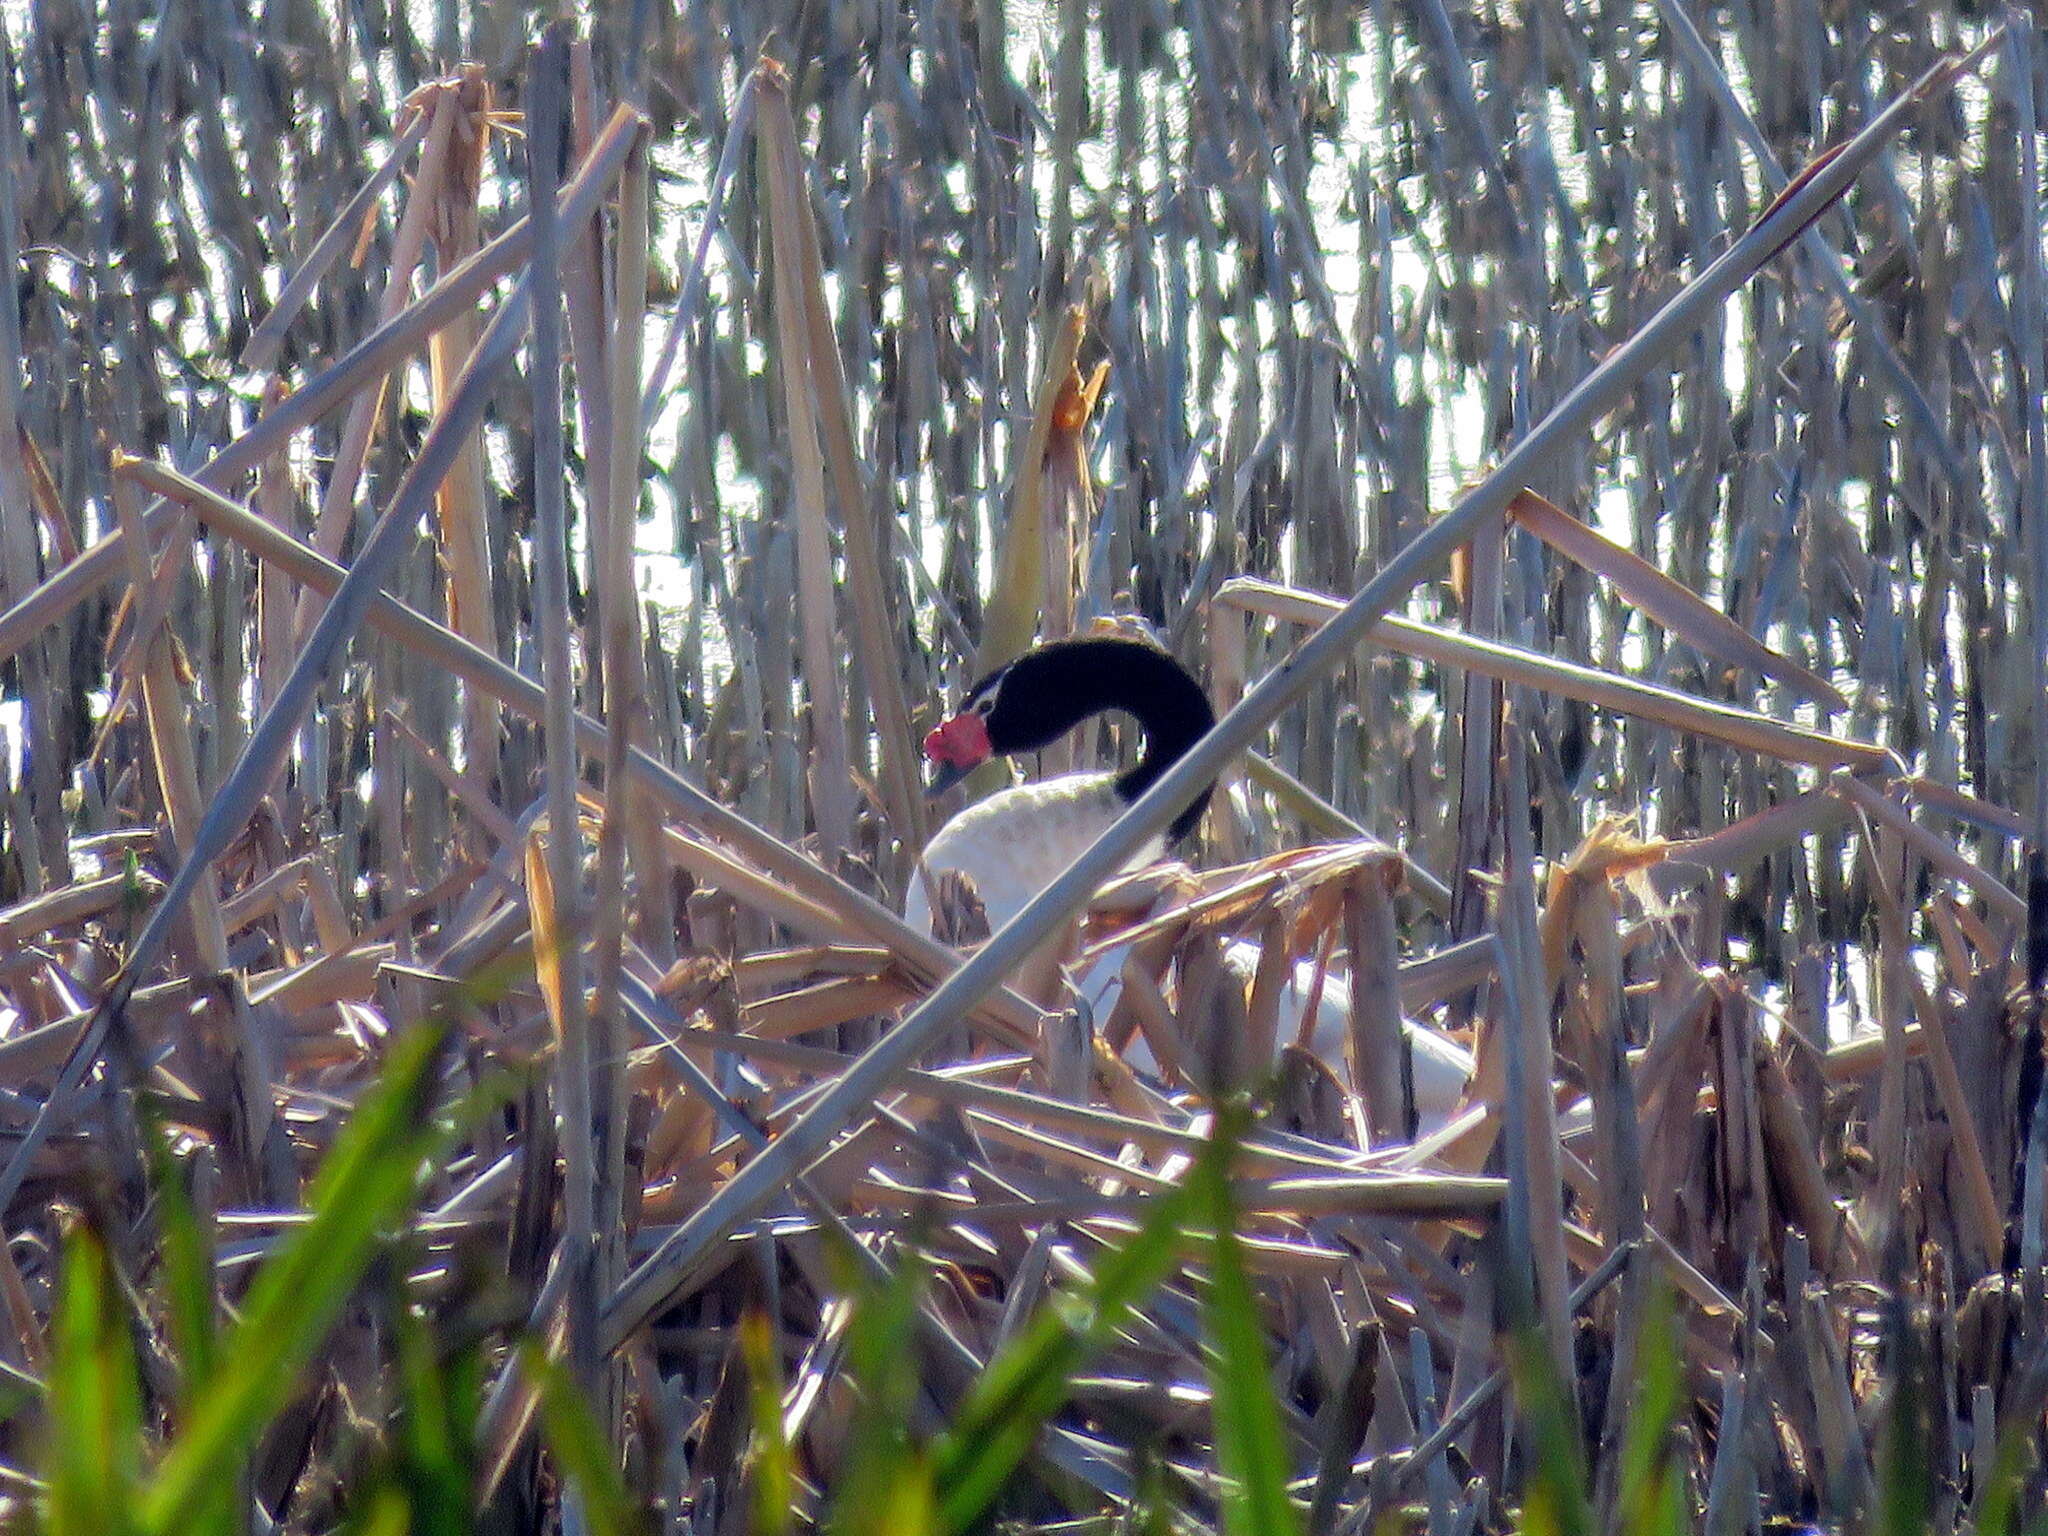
1336,261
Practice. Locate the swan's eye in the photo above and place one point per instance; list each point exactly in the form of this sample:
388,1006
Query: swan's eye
984,705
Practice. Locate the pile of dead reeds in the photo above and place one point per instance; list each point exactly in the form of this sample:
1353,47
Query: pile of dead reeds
1707,723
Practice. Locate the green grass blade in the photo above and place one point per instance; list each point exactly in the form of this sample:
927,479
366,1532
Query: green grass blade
1012,1398
368,1181
1649,1476
95,1431
572,1436
1251,1451
2001,1479
881,1359
1905,1461
382,1510
187,1268
436,1433
771,1474
1555,1503
908,1505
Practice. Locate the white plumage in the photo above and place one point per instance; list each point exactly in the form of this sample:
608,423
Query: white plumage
1017,842
1442,1067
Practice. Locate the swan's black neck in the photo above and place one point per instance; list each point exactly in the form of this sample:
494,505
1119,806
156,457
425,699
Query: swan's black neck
1045,693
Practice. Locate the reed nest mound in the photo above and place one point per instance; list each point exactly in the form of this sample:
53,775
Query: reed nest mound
481,543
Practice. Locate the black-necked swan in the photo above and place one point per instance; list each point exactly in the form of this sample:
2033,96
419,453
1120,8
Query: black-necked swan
1014,843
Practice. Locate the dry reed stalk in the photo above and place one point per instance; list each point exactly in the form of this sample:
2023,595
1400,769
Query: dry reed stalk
719,870
868,543
1267,420
270,741
354,222
1534,1155
268,897
1478,724
436,111
79,902
27,1347
1154,1018
823,1006
462,789
454,294
1674,607
461,506
1511,664
960,1361
1981,1220
2017,74
347,975
1065,484
1579,900
276,499
1382,1066
1009,1016
655,916
1598,1008
1965,807
262,1159
1824,260
1262,1154
583,286
1228,643
830,769
2001,901
627,822
170,740
1018,597
1790,1144
40,820
146,609
1743,843
772,967
554,883
49,506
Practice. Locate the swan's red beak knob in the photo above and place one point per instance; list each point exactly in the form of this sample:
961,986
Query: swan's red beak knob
960,744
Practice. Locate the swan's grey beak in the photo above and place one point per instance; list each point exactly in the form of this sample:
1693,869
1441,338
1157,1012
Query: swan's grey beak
944,777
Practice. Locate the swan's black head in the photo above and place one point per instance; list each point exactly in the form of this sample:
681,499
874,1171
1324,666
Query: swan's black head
1046,692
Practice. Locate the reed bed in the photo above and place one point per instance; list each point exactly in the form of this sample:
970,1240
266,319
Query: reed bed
484,524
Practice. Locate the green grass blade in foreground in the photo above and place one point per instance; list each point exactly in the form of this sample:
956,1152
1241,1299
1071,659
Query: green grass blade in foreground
1151,1511
383,1510
1251,1452
572,1436
886,1478
368,1181
95,1425
1905,1458
1555,1502
187,1268
771,1476
1652,1481
436,1439
2002,1478
187,1282
1011,1399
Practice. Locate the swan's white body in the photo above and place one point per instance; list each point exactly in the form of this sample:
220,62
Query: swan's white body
1442,1066
1018,841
